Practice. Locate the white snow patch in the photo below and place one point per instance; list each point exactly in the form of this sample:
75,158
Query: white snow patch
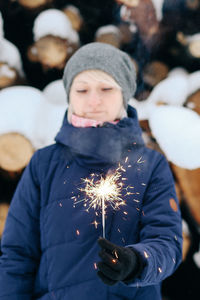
125,13
158,5
54,22
19,106
133,28
196,258
172,90
29,111
191,105
177,131
55,93
192,38
52,110
193,82
107,29
143,108
178,71
1,27
11,55
52,116
185,228
6,71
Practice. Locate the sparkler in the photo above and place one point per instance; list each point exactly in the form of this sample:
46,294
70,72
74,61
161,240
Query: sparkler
99,193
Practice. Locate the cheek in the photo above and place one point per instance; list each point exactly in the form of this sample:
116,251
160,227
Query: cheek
115,102
76,103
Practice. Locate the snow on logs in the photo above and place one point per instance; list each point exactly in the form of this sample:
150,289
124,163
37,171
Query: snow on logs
170,123
177,131
55,40
19,107
11,71
109,34
29,119
191,43
53,109
117,36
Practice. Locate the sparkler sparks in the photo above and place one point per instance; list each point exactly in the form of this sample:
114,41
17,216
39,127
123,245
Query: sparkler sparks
140,161
102,192
95,266
95,223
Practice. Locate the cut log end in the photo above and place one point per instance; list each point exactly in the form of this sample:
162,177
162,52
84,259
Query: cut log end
143,95
126,34
193,102
192,4
3,215
33,4
8,75
155,72
15,152
109,38
51,52
129,3
189,183
74,16
186,245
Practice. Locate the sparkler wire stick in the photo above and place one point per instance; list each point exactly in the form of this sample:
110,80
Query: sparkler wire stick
103,216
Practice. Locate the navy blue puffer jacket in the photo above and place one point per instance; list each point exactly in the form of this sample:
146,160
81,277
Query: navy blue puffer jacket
49,244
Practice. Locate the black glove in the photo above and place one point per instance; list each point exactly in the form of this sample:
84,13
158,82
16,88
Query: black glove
118,263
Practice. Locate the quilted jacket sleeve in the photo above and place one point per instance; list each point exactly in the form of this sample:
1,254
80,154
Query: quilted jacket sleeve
160,245
21,239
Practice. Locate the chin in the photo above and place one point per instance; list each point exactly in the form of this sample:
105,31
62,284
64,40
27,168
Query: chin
96,116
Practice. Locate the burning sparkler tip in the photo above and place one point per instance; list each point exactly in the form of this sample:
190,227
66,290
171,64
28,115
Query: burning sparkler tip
102,191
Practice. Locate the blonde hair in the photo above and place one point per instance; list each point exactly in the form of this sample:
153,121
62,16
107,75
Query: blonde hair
102,76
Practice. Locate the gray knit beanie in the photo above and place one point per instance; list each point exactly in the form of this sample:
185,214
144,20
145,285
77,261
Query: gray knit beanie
106,58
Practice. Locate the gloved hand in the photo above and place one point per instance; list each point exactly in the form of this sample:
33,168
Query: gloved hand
118,263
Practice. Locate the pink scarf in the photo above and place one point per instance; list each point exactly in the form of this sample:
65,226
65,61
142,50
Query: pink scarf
83,122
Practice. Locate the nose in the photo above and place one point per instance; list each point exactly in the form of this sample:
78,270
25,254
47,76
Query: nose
94,98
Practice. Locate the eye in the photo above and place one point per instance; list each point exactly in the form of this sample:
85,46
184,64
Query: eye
81,91
107,89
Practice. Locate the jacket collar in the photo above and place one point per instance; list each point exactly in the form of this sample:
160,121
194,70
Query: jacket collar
107,144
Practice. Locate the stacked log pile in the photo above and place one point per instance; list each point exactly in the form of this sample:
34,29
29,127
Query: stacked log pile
162,38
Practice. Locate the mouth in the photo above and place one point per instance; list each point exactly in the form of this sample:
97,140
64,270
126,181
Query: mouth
94,112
